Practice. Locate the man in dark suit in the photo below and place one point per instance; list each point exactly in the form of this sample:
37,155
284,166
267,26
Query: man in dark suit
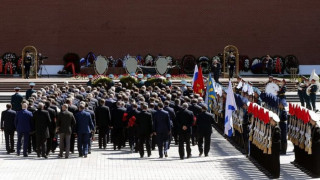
162,128
52,127
73,109
117,125
23,125
41,119
144,124
32,137
196,109
65,124
30,91
103,119
172,115
7,125
204,123
16,100
84,126
184,120
131,128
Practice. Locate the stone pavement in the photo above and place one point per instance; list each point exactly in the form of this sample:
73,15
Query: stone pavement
224,162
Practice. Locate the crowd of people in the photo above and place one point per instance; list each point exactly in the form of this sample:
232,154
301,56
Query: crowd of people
147,116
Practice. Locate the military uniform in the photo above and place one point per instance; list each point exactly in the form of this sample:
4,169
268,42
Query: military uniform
282,92
283,126
29,92
301,88
313,97
16,101
27,65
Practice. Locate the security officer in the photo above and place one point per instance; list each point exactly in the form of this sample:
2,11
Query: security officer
301,88
89,83
231,63
204,124
215,68
16,100
30,91
313,97
283,115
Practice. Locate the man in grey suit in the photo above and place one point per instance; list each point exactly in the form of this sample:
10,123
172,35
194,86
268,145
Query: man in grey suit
65,123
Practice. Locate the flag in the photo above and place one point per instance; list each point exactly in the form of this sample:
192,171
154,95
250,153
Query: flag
230,107
197,81
210,93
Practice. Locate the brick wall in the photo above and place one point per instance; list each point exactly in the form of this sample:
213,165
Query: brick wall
174,27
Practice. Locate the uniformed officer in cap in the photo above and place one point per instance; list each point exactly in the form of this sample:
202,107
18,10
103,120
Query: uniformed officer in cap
301,88
283,116
30,91
89,83
216,68
27,64
140,81
169,83
270,80
111,76
16,100
313,97
283,89
147,83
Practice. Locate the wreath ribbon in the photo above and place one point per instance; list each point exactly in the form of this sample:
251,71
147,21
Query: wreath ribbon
1,64
72,67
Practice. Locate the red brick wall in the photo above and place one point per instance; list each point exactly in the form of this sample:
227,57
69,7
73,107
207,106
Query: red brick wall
175,27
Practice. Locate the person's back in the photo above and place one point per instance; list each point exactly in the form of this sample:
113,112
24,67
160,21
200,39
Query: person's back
65,122
23,121
84,122
161,121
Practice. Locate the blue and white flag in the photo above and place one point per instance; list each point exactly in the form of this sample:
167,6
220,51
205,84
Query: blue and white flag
230,107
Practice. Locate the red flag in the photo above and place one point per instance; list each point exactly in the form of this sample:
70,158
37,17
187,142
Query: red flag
256,111
250,107
124,117
290,108
261,113
307,116
198,85
267,119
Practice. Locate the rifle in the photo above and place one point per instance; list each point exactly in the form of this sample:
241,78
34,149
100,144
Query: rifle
270,141
265,141
251,128
302,136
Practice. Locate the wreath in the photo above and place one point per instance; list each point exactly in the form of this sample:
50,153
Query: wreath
128,81
256,66
71,63
291,61
188,63
244,63
90,58
205,64
104,81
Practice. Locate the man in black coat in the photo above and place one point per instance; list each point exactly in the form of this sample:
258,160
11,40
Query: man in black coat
103,119
52,127
41,119
204,122
172,115
132,136
30,91
7,125
162,129
144,124
16,100
65,124
73,109
117,124
32,137
196,109
184,120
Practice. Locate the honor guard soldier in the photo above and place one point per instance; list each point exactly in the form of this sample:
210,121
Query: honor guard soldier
283,116
305,95
30,91
169,83
270,80
283,89
27,64
16,100
89,83
216,68
231,64
240,84
301,89
313,97
140,81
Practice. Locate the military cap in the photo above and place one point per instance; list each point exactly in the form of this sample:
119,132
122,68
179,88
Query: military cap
140,76
111,76
32,84
17,88
90,76
168,76
148,75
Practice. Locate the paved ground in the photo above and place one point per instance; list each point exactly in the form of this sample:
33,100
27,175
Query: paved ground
224,162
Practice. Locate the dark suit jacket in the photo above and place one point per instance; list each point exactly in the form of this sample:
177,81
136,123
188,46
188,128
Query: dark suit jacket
53,116
7,120
93,116
84,122
184,118
161,121
144,123
29,92
16,100
196,109
42,120
116,118
204,122
103,117
23,121
65,122
172,114
73,109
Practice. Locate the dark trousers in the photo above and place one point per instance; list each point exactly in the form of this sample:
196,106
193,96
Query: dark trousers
207,140
103,132
153,142
32,143
175,135
41,145
194,135
144,139
216,77
72,141
301,97
9,137
27,70
83,140
25,135
64,140
117,136
307,100
283,127
313,101
162,142
184,138
50,142
231,72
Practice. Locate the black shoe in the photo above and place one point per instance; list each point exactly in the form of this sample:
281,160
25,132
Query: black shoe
200,154
24,155
104,147
206,155
46,157
60,156
181,158
85,156
161,157
141,156
100,147
89,152
80,155
166,154
18,154
72,152
149,155
189,155
38,155
67,157
12,151
8,152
